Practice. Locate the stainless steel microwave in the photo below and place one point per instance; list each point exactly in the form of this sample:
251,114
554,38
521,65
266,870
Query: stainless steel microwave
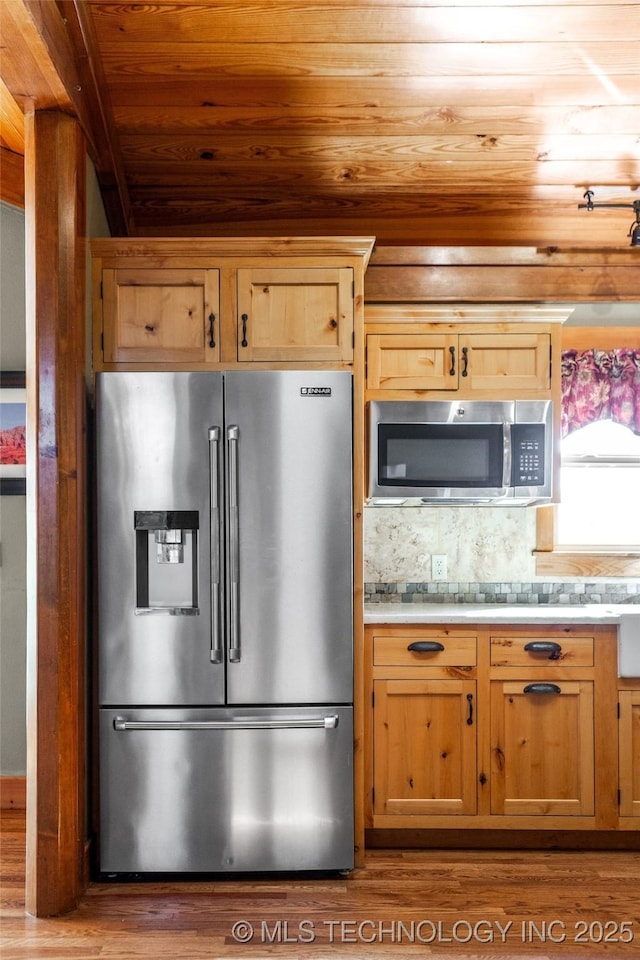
460,451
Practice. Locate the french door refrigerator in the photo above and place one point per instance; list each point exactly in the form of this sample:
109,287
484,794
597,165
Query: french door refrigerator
225,621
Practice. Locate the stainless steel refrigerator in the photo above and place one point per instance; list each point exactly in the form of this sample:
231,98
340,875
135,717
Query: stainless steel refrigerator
225,621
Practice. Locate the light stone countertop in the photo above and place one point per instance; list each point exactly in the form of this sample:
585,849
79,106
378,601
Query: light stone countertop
416,613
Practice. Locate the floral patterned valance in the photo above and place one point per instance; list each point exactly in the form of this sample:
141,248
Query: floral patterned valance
600,385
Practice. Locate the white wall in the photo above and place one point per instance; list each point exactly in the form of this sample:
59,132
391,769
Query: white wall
13,592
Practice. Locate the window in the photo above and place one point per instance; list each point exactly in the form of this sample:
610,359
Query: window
595,530
600,488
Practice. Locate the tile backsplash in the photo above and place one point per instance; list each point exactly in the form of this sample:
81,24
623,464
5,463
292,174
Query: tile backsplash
489,553
505,592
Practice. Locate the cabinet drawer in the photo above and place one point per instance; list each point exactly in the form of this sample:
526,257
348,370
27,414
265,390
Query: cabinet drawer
542,651
441,650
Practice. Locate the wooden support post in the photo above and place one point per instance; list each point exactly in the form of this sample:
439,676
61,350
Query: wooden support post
55,180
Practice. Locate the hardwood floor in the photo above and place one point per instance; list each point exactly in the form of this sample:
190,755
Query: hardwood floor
494,905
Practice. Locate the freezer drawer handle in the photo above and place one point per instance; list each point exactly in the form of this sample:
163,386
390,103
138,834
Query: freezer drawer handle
233,434
215,654
324,723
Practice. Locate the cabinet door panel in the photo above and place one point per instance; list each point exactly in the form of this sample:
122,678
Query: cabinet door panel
425,747
519,361
295,314
412,362
542,747
165,316
630,753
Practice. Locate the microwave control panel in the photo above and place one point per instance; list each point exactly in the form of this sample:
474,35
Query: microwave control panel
527,446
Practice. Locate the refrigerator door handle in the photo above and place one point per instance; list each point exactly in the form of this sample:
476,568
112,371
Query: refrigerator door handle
233,592
215,654
324,723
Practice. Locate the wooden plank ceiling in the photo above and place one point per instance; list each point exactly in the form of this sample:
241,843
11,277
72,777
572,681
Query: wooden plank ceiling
451,123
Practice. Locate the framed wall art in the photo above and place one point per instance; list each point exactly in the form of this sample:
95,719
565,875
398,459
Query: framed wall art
13,418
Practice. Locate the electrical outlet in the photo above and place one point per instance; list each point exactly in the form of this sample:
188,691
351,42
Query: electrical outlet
438,566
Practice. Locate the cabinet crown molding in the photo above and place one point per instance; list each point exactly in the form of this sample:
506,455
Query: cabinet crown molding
235,247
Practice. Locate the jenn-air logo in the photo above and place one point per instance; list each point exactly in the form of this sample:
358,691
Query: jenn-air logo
315,391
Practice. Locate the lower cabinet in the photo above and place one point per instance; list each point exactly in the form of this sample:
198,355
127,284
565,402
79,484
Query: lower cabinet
499,727
425,736
629,749
542,747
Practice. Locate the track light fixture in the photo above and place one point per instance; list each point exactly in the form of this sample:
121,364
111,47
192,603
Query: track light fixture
634,229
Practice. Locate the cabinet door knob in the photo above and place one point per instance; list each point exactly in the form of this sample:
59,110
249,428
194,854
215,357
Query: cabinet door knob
425,646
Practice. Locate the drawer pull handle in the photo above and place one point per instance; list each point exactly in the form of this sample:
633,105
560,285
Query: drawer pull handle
425,646
544,646
245,320
212,339
470,715
542,688
452,371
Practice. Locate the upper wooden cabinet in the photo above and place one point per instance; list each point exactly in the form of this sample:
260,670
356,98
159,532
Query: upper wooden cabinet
495,363
295,314
479,351
191,304
151,315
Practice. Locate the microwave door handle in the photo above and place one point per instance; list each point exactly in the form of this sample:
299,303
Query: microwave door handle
233,592
507,454
215,654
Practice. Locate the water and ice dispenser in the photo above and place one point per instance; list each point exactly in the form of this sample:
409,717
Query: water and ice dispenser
166,561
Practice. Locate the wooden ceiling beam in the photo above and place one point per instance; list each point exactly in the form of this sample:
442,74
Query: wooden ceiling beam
46,65
85,77
27,69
